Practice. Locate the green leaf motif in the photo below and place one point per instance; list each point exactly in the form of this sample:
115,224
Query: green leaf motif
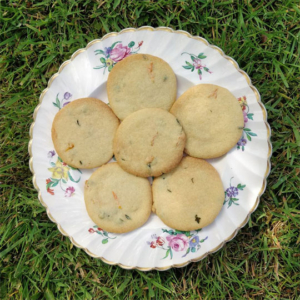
131,44
48,185
248,137
102,59
55,105
252,133
171,253
57,102
234,199
201,56
247,129
72,179
193,249
240,186
193,58
199,72
167,253
99,52
105,241
75,169
105,233
52,164
187,67
114,44
206,69
99,232
63,180
188,63
54,183
193,69
172,232
110,68
250,116
59,159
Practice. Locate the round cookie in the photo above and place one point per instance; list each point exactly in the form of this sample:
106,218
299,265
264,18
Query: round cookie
116,200
83,132
141,81
190,197
149,142
212,120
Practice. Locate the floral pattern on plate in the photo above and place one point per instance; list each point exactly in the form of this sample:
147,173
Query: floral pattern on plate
160,42
102,233
247,133
60,176
232,192
178,241
196,63
115,53
61,103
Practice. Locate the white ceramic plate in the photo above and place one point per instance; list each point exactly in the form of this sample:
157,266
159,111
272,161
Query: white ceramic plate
243,170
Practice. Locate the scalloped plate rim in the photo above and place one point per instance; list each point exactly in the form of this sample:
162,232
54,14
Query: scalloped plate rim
258,98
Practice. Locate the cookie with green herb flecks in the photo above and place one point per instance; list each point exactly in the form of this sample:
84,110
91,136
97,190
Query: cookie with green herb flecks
116,200
212,120
149,142
189,197
141,81
83,132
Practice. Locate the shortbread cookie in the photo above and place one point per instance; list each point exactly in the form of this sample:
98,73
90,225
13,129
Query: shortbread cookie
149,142
141,81
83,132
116,200
212,120
190,197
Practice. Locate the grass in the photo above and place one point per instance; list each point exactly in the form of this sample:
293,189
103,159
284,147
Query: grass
37,262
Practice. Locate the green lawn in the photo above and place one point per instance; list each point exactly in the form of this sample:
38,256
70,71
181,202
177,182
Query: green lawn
37,262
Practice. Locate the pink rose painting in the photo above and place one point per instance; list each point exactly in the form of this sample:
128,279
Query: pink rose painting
110,56
119,52
177,241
